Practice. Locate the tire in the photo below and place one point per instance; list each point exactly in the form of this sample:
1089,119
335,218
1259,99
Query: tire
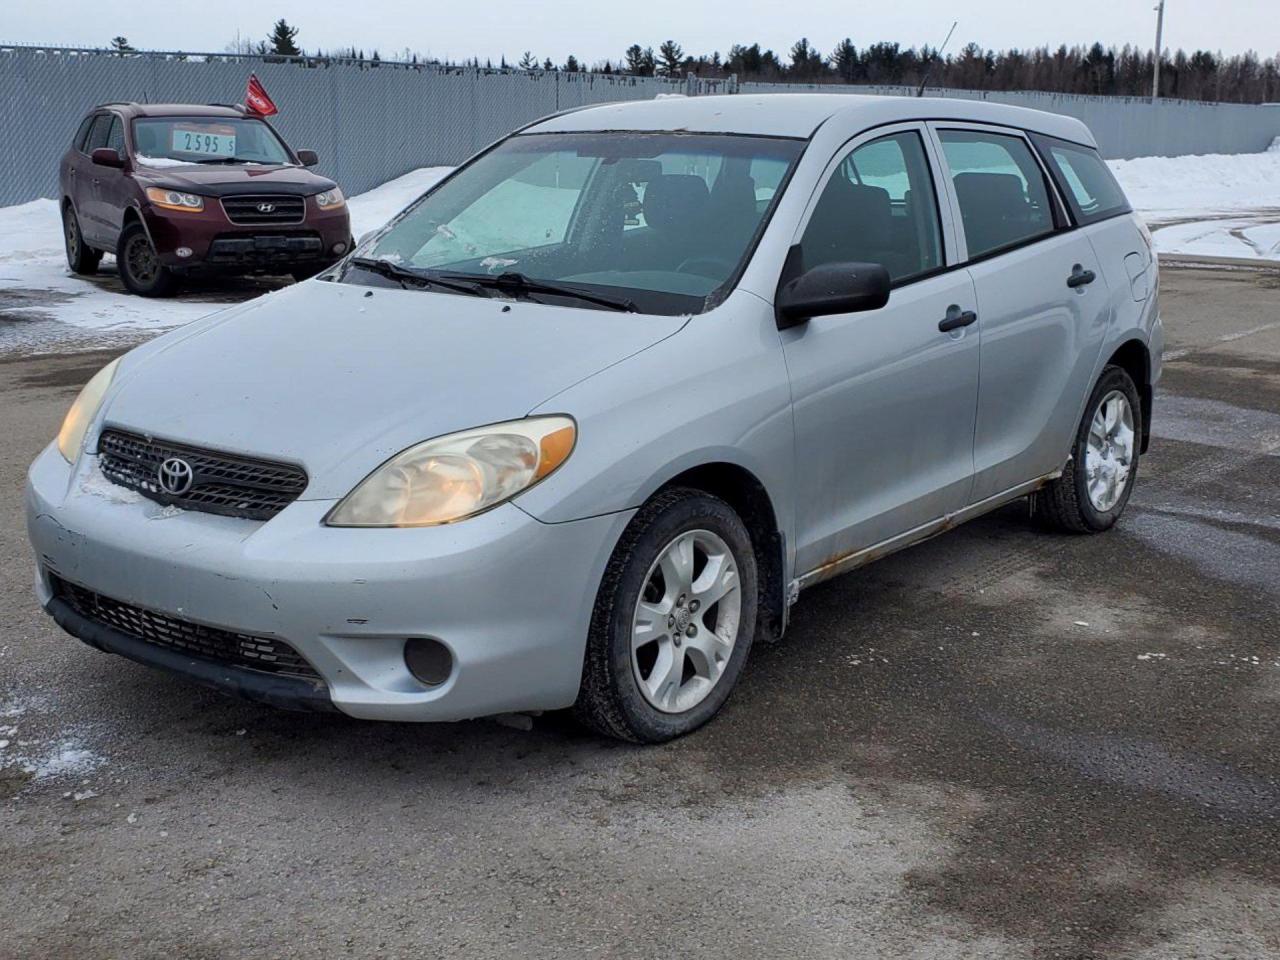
1068,502
81,258
620,690
140,267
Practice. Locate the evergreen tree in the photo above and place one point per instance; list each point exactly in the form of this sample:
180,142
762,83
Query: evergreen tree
671,57
528,61
281,39
121,45
571,64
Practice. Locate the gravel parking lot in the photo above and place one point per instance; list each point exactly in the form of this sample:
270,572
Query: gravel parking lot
1001,743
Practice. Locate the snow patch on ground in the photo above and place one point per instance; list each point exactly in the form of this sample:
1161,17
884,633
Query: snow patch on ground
1208,206
35,758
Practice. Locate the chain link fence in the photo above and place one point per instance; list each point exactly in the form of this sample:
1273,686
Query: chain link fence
371,122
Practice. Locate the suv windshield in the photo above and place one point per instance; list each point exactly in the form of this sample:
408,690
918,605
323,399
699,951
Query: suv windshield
173,140
660,220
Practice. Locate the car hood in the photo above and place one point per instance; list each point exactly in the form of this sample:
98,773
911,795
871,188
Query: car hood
340,377
218,180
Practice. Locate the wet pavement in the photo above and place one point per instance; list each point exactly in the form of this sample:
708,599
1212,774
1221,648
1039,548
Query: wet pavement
1000,743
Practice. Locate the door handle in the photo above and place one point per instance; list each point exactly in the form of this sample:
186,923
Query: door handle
1080,277
956,318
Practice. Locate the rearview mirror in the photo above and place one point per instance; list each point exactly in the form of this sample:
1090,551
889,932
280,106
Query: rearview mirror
107,157
831,288
308,158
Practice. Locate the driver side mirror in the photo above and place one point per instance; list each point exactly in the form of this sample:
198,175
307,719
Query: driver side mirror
308,158
831,288
107,157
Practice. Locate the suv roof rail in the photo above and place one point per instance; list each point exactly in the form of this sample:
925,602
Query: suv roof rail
118,103
230,106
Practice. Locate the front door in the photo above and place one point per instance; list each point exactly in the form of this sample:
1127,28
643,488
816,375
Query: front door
884,401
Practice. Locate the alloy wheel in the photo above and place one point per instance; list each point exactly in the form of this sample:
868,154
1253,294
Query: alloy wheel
686,621
1108,458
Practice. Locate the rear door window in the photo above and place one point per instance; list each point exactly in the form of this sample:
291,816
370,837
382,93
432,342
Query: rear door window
82,134
1084,179
1004,200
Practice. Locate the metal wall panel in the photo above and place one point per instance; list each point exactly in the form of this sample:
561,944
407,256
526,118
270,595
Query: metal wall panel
370,124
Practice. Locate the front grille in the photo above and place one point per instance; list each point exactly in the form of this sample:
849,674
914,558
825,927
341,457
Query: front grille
264,654
220,483
264,208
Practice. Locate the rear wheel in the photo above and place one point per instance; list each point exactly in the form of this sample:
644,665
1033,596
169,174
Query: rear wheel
673,621
1098,479
81,258
140,266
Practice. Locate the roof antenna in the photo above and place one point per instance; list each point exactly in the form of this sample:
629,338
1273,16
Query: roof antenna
929,69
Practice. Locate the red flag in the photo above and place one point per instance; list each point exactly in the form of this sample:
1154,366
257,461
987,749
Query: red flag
256,98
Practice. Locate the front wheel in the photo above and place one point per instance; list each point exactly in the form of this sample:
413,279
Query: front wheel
673,621
1098,479
140,266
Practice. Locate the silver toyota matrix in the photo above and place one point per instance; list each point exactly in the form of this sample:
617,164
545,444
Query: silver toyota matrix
578,426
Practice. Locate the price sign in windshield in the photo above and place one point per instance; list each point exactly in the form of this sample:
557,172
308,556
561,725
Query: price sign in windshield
187,140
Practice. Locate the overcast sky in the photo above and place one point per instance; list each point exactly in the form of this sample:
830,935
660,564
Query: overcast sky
604,29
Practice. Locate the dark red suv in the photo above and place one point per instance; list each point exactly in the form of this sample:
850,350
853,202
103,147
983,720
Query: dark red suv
179,189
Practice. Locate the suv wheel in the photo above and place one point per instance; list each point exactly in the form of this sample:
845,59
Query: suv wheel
81,258
1095,486
140,266
673,621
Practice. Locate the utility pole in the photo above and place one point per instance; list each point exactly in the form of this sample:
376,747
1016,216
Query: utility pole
1155,80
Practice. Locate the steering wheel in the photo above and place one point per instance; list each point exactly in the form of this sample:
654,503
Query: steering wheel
720,267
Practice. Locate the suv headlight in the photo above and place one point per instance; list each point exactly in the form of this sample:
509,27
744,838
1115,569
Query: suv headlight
457,476
330,199
82,412
175,200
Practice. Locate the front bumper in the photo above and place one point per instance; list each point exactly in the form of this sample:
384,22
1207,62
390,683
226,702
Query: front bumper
510,597
217,244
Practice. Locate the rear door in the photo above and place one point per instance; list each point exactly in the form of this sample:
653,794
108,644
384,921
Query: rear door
1042,300
87,177
883,400
112,187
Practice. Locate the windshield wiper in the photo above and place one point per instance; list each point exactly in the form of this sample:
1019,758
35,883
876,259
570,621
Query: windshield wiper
517,283
407,277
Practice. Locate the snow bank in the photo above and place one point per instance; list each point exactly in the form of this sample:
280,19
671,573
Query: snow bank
372,209
1176,188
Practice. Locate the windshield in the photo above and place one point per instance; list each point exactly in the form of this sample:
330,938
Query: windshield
663,220
175,140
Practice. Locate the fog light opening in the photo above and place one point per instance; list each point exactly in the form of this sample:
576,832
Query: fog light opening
183,252
428,660
339,248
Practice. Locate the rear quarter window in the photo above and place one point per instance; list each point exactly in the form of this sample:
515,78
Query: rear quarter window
1084,178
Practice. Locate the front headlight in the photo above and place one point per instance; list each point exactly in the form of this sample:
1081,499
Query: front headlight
330,199
82,412
457,476
175,200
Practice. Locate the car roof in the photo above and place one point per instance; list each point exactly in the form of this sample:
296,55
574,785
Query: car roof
800,115
133,109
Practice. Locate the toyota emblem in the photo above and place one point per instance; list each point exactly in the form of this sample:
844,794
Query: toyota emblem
266,208
175,476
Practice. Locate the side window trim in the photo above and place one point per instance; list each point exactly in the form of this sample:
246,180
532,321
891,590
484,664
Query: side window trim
948,231
1058,207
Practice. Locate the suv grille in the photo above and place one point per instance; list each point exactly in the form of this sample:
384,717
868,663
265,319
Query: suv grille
264,654
219,483
264,208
